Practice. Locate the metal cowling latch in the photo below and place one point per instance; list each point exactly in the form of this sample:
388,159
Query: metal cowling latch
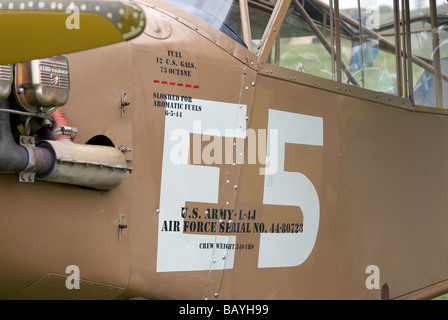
121,225
124,103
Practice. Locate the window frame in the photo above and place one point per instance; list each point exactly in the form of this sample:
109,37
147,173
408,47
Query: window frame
402,50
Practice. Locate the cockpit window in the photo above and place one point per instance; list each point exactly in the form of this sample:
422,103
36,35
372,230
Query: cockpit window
224,15
397,48
383,48
430,43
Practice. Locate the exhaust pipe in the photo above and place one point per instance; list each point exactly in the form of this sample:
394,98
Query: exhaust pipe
57,159
17,158
96,167
13,158
62,161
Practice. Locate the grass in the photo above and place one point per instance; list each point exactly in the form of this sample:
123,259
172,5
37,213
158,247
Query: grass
442,297
379,71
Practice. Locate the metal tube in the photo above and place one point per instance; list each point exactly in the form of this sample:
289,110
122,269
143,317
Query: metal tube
322,39
386,45
245,23
26,160
361,43
333,73
324,25
270,33
277,49
409,51
403,35
96,167
338,42
398,50
13,158
436,54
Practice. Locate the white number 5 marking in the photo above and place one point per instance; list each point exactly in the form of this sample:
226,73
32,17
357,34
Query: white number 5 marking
291,189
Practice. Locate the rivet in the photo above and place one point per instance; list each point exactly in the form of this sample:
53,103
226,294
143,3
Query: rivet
216,295
235,187
157,211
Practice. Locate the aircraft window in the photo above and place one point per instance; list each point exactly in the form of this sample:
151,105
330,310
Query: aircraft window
258,22
224,15
430,43
297,44
373,68
372,49
382,47
300,49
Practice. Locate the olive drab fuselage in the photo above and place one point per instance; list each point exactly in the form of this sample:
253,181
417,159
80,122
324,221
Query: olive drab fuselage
234,171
